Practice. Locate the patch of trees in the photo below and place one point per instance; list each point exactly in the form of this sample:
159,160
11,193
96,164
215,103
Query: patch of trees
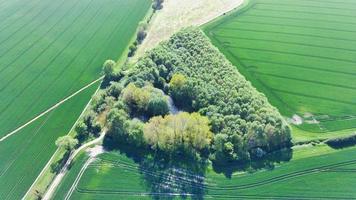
231,120
342,142
181,134
199,78
88,127
146,101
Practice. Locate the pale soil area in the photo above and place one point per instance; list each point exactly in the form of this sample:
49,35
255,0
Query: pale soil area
93,152
177,14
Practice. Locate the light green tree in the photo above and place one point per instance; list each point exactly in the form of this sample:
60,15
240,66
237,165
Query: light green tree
183,132
108,67
66,142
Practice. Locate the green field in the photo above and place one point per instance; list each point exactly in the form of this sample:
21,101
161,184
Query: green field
24,154
113,176
49,50
301,54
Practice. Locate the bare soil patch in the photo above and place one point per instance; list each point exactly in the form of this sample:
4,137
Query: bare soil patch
177,14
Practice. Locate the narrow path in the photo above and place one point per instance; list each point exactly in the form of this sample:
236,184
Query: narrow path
51,159
77,179
50,109
57,180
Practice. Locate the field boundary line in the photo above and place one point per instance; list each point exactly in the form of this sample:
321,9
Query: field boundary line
57,180
50,109
222,13
79,176
54,154
57,78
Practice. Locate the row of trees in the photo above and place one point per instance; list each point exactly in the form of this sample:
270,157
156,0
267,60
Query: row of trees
141,35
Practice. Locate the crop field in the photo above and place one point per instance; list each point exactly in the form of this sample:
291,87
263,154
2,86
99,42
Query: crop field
50,49
113,175
301,54
25,154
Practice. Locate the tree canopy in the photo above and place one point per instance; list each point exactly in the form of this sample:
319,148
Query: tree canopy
201,81
108,67
66,142
184,132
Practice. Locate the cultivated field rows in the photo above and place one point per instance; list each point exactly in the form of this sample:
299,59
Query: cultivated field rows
113,175
56,53
48,51
300,54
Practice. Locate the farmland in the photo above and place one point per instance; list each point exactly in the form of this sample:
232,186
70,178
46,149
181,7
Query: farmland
51,49
113,175
300,54
136,169
258,103
48,51
24,154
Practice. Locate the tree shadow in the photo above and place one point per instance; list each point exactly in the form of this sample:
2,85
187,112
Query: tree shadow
169,177
177,177
136,154
266,162
164,176
342,142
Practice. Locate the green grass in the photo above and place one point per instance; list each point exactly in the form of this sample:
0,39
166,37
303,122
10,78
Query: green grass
316,172
25,154
49,50
301,54
70,177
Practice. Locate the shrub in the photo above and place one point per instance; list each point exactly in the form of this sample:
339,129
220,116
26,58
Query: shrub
141,34
108,67
157,4
66,142
157,105
342,141
132,50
